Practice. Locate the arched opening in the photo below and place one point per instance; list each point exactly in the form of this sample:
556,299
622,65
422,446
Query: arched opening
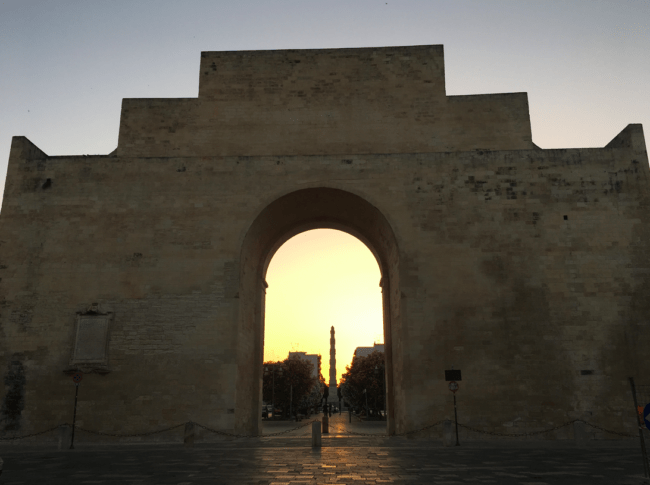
282,219
323,288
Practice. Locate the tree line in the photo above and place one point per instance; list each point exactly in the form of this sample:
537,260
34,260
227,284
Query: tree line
291,385
363,385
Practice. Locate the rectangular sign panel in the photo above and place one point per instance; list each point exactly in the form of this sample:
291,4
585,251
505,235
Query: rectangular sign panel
452,375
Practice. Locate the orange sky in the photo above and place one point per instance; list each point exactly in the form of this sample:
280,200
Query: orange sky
317,279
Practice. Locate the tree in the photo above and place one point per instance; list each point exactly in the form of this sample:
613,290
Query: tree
309,402
365,376
324,390
294,383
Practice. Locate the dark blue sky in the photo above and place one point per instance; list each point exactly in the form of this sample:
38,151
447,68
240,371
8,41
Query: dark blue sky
66,65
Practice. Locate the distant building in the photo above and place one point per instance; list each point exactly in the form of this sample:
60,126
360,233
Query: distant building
313,358
366,351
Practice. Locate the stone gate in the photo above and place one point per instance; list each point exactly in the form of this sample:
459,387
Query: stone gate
144,268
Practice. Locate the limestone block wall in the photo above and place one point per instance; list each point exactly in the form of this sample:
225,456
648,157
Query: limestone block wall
525,268
522,268
326,101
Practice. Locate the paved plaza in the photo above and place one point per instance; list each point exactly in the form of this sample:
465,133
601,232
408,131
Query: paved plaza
343,459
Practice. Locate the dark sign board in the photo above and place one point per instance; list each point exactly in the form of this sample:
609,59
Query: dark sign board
452,375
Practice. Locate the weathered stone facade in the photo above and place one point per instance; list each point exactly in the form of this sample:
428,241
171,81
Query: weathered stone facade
521,266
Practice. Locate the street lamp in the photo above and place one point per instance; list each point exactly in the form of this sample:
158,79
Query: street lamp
339,394
365,391
383,392
290,377
266,371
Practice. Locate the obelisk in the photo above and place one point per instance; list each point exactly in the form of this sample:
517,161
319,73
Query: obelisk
333,397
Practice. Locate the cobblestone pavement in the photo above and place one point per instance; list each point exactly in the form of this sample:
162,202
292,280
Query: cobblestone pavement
289,459
339,426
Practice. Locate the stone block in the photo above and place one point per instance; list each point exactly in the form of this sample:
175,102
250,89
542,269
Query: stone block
188,439
581,434
316,439
448,433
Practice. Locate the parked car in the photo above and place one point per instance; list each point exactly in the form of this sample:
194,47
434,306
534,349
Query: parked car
267,411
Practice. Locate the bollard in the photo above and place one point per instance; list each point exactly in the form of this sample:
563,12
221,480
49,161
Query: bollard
580,434
189,434
448,433
326,424
64,436
316,441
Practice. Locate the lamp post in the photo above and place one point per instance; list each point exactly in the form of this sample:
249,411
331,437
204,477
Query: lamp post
365,391
383,392
291,401
266,371
290,377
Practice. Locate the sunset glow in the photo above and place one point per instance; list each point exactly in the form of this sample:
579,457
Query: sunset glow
317,279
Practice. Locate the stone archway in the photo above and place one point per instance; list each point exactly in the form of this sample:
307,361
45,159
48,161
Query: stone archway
291,214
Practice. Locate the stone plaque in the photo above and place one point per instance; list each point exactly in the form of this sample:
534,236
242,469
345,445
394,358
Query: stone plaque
91,343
